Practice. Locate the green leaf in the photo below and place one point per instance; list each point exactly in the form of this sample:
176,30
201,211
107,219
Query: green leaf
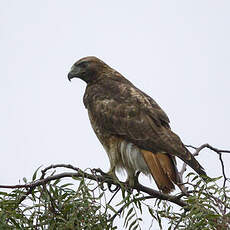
123,201
126,218
111,208
129,219
151,212
56,182
35,173
135,227
194,178
132,224
66,185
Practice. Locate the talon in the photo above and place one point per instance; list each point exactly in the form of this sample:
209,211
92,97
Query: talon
132,181
98,170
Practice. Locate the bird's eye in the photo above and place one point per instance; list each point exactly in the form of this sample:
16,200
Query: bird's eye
83,64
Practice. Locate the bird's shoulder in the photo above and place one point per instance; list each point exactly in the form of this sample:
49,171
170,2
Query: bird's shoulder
116,92
116,88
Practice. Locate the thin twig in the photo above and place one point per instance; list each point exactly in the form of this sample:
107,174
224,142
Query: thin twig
81,174
196,153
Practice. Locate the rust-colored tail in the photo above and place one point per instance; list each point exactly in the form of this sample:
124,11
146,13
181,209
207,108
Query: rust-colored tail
163,170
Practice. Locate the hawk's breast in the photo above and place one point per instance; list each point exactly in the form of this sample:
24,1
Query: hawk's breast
122,154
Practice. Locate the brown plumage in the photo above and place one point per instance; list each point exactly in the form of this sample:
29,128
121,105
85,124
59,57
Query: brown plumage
131,126
162,170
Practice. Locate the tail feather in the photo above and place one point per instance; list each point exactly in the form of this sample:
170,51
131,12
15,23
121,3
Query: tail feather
174,146
193,163
162,170
168,166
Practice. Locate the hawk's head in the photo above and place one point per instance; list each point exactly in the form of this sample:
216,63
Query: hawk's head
88,69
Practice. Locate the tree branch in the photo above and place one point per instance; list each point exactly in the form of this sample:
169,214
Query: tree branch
99,178
196,153
102,178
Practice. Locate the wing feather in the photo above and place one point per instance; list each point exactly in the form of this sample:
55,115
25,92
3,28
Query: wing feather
123,110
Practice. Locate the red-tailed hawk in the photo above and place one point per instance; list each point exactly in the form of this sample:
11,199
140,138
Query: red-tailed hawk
131,126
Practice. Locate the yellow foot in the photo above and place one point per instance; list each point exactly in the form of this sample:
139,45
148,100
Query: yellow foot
110,176
133,180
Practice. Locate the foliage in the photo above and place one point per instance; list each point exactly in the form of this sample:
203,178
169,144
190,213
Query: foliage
54,206
208,207
89,202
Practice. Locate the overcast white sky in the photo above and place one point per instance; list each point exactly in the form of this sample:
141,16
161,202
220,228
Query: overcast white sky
176,51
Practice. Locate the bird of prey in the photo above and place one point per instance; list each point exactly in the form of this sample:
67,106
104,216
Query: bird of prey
131,126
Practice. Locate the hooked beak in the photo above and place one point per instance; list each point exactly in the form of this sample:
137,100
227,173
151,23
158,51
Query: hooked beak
74,72
70,76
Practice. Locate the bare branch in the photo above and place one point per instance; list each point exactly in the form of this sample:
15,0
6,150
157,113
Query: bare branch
196,153
102,178
99,178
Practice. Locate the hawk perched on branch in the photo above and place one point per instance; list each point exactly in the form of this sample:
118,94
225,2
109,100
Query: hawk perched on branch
131,126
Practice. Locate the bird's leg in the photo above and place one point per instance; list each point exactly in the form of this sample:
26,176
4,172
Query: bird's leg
181,185
111,175
132,179
183,188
